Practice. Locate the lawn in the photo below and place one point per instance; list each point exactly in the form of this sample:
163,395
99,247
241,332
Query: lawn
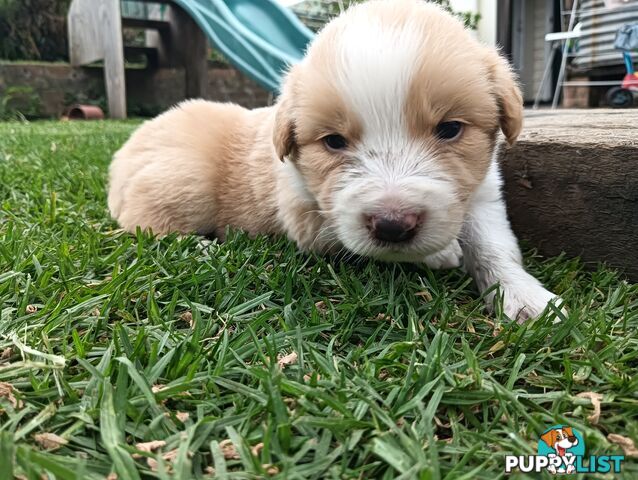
249,359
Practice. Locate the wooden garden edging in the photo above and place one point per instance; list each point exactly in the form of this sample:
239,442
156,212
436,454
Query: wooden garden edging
571,184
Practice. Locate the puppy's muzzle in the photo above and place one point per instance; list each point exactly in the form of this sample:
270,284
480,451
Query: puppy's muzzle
395,228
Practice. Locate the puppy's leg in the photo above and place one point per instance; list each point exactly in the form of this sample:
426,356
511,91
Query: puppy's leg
450,257
492,255
164,197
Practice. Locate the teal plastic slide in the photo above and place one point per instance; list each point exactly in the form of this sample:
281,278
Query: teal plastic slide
260,37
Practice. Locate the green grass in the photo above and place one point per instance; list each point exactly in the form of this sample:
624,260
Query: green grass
400,373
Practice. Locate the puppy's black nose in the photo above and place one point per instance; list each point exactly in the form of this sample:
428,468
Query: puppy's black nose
393,229
571,439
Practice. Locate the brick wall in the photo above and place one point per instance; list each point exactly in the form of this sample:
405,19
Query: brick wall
148,91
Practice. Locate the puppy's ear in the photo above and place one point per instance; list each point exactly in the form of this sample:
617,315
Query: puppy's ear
549,438
509,96
284,127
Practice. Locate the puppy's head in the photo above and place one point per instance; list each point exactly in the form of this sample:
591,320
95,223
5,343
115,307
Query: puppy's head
390,123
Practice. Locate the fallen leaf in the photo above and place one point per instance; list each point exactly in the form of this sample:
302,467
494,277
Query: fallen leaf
257,449
270,469
187,317
489,322
168,457
307,377
31,309
229,450
182,416
595,399
50,441
152,464
440,423
289,359
6,353
111,476
148,447
6,391
158,388
425,294
497,346
626,443
321,306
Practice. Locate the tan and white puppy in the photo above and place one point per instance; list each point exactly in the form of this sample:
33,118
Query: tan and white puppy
383,143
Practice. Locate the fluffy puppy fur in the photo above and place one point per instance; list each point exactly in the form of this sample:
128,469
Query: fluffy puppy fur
361,134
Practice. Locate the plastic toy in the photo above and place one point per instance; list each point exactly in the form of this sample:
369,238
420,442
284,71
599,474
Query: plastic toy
623,96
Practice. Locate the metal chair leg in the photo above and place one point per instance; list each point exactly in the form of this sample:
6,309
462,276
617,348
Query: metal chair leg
548,69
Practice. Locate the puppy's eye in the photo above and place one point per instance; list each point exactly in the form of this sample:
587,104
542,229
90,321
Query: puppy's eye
448,130
335,142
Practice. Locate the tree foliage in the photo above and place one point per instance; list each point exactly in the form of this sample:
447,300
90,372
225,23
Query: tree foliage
33,29
315,13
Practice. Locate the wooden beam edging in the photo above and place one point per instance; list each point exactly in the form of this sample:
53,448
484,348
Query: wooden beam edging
571,185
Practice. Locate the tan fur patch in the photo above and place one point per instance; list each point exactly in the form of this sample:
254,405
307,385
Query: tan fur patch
180,171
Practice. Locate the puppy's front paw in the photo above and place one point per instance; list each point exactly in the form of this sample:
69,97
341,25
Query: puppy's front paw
450,257
522,301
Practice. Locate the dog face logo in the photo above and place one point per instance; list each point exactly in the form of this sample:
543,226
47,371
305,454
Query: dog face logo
560,439
562,444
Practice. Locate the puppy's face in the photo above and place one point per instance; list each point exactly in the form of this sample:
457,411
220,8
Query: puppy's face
390,124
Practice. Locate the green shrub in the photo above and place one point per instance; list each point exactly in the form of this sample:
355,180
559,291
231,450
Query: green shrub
33,29
19,103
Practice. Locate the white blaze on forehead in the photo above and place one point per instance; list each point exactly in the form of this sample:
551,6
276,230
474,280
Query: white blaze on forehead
376,65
